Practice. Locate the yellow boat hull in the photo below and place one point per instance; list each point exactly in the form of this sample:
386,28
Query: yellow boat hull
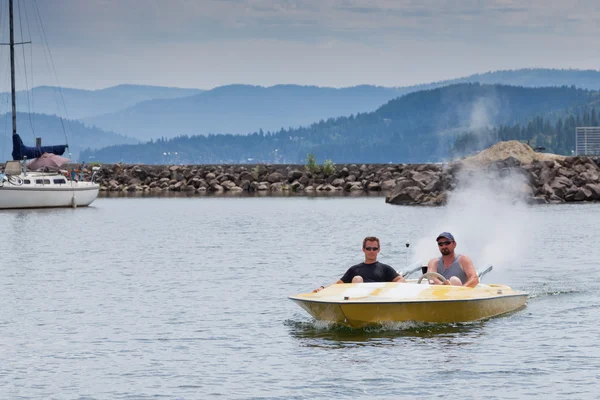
362,304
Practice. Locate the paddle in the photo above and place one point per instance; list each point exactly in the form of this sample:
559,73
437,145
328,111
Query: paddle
485,271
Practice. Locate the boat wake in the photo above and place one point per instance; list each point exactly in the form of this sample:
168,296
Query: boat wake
325,330
545,290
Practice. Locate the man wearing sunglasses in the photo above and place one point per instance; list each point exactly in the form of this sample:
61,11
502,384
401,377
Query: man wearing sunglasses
370,270
456,268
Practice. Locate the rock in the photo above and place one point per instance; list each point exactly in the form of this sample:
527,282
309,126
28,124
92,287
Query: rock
338,182
435,185
594,189
410,195
373,187
215,187
227,185
293,175
275,177
583,194
276,187
297,186
388,184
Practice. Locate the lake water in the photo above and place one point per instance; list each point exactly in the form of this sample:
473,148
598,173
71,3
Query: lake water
186,298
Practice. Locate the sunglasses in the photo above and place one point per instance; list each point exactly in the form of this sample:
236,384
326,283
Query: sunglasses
444,243
371,248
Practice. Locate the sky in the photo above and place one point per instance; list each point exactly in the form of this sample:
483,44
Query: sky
203,44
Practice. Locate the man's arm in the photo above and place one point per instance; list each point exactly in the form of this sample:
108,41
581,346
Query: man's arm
432,267
469,270
399,278
323,287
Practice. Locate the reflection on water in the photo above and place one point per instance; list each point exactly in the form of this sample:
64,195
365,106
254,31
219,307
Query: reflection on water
314,333
260,194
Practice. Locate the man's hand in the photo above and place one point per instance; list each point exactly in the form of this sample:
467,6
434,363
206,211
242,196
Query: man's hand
317,290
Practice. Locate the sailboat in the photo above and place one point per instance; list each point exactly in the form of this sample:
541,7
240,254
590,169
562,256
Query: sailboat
20,188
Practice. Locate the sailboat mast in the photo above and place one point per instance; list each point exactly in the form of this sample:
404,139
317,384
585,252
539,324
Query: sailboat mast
12,68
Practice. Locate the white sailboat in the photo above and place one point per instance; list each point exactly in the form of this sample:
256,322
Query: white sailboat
20,188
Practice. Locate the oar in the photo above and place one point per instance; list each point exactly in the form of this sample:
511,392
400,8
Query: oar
485,271
414,269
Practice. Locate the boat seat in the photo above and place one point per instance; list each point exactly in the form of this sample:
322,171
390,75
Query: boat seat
13,168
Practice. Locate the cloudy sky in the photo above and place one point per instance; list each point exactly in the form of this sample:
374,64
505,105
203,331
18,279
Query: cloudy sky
207,43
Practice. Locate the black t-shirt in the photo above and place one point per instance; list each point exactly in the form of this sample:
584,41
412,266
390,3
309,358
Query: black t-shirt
376,272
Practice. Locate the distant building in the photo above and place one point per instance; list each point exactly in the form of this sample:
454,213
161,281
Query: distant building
587,141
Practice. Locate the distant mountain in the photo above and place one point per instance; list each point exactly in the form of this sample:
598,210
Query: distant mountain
536,77
418,127
86,103
51,130
240,109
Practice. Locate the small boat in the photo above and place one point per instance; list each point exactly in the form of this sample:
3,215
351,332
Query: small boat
20,188
362,304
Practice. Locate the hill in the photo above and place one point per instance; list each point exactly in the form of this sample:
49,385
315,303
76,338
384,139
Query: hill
537,77
418,127
86,103
52,131
241,109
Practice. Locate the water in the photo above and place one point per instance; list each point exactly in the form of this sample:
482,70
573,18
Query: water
186,298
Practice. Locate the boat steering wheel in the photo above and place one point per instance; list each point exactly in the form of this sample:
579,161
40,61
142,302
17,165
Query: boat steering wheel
430,275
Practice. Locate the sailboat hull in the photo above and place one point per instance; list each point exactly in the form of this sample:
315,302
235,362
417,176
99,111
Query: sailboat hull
71,194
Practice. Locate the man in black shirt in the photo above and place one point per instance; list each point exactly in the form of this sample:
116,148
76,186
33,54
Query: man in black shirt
370,270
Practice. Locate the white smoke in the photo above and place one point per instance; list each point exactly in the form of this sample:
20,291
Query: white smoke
488,217
483,112
476,119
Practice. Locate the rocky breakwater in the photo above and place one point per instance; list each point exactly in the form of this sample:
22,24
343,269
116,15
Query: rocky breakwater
507,167
511,168
261,178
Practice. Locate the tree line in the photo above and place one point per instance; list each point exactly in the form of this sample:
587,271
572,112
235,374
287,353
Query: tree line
425,126
550,134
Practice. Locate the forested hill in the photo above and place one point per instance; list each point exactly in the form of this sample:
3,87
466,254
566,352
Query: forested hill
51,130
242,109
418,127
537,77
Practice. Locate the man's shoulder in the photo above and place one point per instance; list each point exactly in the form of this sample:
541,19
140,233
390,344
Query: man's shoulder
383,265
357,265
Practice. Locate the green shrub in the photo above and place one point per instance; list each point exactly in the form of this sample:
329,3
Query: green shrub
328,167
311,163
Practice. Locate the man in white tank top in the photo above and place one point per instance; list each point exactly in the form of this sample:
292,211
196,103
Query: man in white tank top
456,268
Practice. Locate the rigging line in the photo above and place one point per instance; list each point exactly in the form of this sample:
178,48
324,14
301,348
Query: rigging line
46,48
6,94
45,40
2,22
27,92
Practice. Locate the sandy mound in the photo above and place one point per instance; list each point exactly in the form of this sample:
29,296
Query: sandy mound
511,148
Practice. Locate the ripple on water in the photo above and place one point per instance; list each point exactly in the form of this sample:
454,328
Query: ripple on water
187,298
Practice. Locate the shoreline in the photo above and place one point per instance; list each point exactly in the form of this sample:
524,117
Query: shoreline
240,195
568,179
